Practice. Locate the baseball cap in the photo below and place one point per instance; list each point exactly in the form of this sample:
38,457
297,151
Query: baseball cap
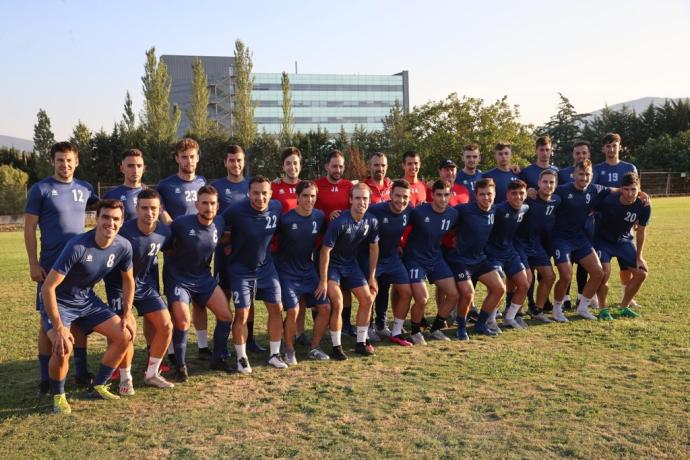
446,164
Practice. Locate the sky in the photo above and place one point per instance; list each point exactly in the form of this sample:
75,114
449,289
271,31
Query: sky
77,59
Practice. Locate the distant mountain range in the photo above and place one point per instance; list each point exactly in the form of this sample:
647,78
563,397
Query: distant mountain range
16,142
638,105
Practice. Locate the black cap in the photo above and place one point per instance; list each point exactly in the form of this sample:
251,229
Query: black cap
446,164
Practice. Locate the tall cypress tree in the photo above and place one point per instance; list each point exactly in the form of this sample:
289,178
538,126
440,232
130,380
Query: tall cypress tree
43,135
243,126
198,109
159,121
288,120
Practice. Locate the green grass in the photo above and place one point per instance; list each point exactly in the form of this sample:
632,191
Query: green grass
583,389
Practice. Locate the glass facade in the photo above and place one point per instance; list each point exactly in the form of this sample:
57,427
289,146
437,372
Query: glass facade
328,101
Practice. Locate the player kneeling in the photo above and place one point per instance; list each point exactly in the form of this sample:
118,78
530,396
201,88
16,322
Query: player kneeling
620,212
68,297
148,237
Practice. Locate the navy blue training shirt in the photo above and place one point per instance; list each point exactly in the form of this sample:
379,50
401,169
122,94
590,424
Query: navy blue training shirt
468,181
507,220
539,220
192,247
128,196
391,228
297,240
531,174
178,197
611,176
472,232
618,219
345,236
230,193
501,179
576,206
428,229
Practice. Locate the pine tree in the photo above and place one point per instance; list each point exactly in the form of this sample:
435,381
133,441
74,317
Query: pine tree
159,121
243,126
43,136
81,137
128,120
288,120
198,110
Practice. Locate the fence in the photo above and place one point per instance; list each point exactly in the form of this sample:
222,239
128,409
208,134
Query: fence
664,183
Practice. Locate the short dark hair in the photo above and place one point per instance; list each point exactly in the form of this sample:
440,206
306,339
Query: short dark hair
548,172
258,179
109,204
471,147
629,179
502,145
517,184
132,153
289,151
63,147
611,137
377,154
440,185
410,154
543,141
581,142
305,184
484,183
402,183
186,144
233,149
148,194
334,154
208,190
584,164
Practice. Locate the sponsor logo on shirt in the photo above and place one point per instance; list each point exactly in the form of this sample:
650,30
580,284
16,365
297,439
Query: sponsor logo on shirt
281,191
507,215
192,232
89,258
53,192
385,220
348,231
227,191
123,198
426,219
570,196
177,190
294,226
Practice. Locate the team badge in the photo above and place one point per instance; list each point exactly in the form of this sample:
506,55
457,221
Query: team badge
89,258
54,192
177,190
426,219
192,232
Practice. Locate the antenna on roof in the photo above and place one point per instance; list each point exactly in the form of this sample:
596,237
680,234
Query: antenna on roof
295,67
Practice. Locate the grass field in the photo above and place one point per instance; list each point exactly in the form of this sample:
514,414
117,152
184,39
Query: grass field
583,389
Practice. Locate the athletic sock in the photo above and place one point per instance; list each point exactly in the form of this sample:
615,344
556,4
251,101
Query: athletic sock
171,349
220,339
250,331
202,339
482,318
462,323
438,323
241,351
103,375
345,315
125,374
361,334
512,310
584,303
179,341
80,361
57,387
397,326
43,364
335,338
416,327
493,315
566,298
274,347
153,367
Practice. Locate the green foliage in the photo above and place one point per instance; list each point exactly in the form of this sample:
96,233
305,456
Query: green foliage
160,123
286,129
666,152
564,128
43,136
128,123
13,184
243,126
263,156
198,109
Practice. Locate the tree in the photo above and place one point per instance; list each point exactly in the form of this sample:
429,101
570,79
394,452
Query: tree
128,120
43,136
81,137
160,123
12,190
288,121
198,109
564,128
243,126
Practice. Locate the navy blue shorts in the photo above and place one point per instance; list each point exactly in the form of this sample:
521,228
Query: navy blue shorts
392,271
465,271
264,285
198,290
569,250
348,275
438,270
87,318
623,250
508,262
534,253
39,299
292,289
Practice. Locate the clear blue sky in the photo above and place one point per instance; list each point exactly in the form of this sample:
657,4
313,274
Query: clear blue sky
76,59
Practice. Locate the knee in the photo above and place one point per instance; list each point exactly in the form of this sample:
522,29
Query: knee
522,286
182,324
453,297
597,274
405,293
548,277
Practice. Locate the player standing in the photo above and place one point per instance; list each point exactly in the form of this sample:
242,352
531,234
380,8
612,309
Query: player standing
544,150
503,173
470,172
132,168
68,298
187,278
56,205
298,233
251,225
148,237
338,268
411,165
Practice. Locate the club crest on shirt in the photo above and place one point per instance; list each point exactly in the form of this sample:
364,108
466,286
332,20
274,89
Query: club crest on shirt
89,258
426,219
123,198
385,220
54,192
281,192
570,196
294,226
192,232
177,190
